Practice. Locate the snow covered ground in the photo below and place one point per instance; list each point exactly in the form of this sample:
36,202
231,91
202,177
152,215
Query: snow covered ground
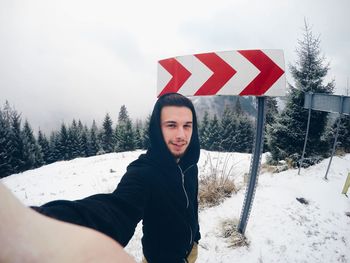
280,229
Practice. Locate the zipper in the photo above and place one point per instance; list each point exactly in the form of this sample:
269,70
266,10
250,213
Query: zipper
191,235
187,204
183,186
188,168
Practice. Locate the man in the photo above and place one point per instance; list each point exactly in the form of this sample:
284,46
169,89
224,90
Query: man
160,188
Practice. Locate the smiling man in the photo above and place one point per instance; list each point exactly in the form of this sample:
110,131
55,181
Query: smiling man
177,129
160,188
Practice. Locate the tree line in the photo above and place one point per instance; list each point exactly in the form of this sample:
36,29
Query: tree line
21,150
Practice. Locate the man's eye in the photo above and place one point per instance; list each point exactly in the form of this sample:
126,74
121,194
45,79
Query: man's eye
171,125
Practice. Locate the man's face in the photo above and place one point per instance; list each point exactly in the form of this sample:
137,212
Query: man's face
176,125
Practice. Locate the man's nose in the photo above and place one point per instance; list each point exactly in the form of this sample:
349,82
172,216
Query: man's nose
180,133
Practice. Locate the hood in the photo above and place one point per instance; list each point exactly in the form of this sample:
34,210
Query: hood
158,150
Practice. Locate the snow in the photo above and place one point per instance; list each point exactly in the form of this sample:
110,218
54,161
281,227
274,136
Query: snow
280,229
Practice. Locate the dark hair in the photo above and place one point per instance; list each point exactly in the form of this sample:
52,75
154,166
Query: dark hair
175,99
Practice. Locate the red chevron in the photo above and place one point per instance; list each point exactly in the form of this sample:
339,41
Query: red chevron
222,72
269,72
180,75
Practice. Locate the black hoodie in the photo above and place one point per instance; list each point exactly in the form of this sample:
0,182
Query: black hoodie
154,189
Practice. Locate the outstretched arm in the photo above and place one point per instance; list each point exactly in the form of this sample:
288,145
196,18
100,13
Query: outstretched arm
27,236
115,214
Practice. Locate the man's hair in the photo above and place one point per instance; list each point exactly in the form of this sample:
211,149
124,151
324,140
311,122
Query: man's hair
175,99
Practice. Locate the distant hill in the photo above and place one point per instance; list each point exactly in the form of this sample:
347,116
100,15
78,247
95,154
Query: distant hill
216,105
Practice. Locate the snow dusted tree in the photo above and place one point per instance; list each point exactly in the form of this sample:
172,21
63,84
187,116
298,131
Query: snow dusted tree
85,141
107,135
343,141
124,133
228,130
54,142
94,140
45,147
138,135
145,133
238,108
245,134
271,114
75,147
286,135
63,144
33,156
204,131
17,160
6,148
123,115
214,137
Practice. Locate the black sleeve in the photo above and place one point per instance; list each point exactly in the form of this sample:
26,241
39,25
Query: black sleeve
116,214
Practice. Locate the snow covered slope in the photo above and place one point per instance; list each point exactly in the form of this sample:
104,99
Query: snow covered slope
280,229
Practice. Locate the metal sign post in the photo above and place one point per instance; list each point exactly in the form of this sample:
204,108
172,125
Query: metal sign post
254,166
336,136
307,132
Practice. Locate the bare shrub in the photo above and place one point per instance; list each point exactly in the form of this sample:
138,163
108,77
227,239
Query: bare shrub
217,183
229,231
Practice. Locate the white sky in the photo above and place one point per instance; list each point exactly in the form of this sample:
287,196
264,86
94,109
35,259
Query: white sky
68,59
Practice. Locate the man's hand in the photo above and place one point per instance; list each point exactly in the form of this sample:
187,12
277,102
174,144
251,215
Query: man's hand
27,236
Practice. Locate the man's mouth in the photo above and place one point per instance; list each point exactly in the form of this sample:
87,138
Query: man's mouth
178,145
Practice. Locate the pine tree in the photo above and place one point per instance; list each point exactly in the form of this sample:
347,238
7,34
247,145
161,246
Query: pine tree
204,131
228,130
138,135
238,108
86,142
271,110
286,135
75,145
124,133
95,142
107,135
125,137
343,140
33,156
129,139
44,144
54,143
62,144
82,142
214,142
345,134
5,147
123,115
17,162
145,133
245,135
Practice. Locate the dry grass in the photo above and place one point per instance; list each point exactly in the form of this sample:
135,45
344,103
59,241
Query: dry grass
229,231
212,191
217,184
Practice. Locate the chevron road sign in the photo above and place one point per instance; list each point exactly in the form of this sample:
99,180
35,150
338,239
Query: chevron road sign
242,72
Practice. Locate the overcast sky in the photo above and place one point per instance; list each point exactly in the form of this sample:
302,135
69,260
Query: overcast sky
80,59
